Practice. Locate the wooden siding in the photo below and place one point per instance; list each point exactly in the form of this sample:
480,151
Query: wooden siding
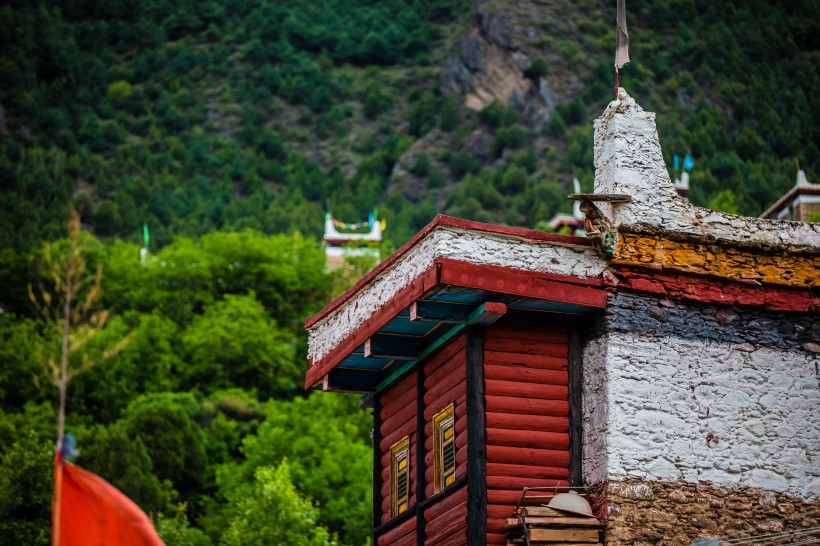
445,383
397,418
527,414
403,534
446,520
443,378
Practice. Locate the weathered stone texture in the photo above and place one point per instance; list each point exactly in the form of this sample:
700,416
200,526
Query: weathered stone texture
644,315
690,392
643,513
734,263
628,160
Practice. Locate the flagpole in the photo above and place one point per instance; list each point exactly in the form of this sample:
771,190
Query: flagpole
57,505
621,42
62,384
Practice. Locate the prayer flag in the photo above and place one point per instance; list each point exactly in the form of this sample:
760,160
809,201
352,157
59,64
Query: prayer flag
90,511
676,162
621,37
688,162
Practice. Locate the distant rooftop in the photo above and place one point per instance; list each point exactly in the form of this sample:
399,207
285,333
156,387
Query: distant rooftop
798,204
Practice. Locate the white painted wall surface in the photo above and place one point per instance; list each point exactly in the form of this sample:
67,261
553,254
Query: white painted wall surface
650,405
474,247
628,160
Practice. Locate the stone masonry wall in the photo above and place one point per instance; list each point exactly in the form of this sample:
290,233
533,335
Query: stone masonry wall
651,512
692,393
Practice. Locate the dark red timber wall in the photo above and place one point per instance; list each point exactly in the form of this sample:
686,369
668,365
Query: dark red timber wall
527,415
445,379
397,418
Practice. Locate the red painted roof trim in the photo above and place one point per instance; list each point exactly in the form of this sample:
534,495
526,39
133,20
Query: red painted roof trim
443,221
706,290
531,284
565,289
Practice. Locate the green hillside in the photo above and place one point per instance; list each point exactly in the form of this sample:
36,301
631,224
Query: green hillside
226,115
229,126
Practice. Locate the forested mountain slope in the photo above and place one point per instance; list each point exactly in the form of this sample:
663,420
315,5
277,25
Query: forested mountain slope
195,116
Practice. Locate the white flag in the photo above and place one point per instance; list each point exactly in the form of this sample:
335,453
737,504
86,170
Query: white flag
621,37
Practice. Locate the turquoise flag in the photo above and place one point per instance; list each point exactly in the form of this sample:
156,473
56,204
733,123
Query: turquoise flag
145,234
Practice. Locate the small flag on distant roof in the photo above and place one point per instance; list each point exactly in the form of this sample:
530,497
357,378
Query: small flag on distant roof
676,162
621,37
688,163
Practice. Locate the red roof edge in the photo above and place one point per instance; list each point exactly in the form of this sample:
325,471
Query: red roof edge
444,221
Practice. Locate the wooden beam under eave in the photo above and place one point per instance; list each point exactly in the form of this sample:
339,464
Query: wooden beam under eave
487,313
392,347
438,312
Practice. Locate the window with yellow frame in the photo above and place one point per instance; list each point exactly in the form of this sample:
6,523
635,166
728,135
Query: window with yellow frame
399,476
444,442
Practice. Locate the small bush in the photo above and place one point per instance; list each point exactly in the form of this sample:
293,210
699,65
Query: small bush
538,69
461,164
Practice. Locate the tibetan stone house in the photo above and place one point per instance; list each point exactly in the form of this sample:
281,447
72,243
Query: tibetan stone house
668,361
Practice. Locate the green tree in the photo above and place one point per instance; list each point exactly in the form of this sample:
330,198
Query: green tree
538,69
724,202
165,424
327,441
177,530
448,117
25,490
235,344
273,512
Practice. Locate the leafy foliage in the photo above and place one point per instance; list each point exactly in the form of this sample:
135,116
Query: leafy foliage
274,513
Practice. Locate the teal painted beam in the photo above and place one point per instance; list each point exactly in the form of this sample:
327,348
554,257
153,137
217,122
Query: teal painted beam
485,314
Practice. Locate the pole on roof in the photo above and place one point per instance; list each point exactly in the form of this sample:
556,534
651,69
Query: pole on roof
621,42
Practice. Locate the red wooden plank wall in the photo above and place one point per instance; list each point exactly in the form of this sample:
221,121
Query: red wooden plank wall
445,382
527,413
403,534
398,419
446,520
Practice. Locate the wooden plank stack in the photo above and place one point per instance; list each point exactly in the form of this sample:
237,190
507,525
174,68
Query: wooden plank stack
547,526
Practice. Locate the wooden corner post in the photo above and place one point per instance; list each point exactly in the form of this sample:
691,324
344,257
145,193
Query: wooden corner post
377,471
576,418
476,439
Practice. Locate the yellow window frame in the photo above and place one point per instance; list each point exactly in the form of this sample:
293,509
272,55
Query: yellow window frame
399,476
444,443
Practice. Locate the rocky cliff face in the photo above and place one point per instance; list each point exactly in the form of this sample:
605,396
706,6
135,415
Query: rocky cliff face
489,66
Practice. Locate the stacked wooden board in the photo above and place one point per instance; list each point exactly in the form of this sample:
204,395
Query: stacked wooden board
546,526
526,416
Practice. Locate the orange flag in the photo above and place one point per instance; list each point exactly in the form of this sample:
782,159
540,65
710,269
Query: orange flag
89,511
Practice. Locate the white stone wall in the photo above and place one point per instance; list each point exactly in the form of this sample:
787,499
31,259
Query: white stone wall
469,246
628,160
669,409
